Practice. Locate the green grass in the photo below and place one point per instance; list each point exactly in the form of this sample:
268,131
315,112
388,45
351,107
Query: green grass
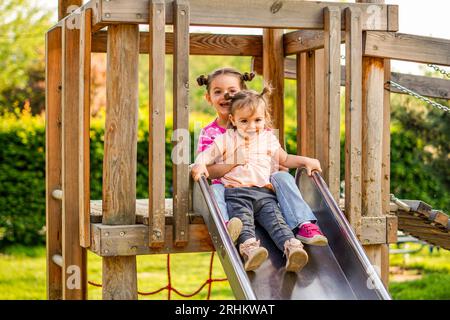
23,273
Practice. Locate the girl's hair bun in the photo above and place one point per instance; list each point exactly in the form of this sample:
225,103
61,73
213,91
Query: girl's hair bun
202,80
228,96
248,76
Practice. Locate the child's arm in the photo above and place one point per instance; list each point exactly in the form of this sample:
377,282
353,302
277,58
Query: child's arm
293,161
204,158
218,170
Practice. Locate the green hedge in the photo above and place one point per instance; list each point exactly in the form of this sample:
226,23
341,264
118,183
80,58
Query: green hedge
22,172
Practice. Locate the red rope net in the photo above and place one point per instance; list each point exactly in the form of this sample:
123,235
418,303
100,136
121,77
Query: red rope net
170,288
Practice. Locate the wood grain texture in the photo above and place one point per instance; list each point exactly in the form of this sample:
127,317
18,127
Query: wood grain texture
199,44
400,46
321,124
84,126
181,156
64,7
120,155
304,40
353,117
53,159
74,255
157,140
332,37
255,13
273,73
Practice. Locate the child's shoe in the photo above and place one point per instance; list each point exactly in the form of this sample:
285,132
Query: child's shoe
296,256
234,227
253,254
310,233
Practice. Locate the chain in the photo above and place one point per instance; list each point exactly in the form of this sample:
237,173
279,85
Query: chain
442,71
418,96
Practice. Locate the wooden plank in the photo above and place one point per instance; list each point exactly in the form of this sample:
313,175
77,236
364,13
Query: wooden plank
108,241
156,160
65,7
120,153
305,40
353,118
181,123
53,216
74,256
401,46
373,230
273,73
306,110
321,113
386,144
255,13
332,36
84,126
425,86
199,44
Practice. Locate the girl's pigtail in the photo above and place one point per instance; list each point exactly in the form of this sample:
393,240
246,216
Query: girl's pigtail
228,96
267,91
202,80
248,76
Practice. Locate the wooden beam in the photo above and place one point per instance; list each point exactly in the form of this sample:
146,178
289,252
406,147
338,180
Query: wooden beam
425,86
53,179
401,46
353,118
332,21
200,44
273,73
255,13
84,126
65,7
305,40
181,122
108,241
74,256
156,156
120,155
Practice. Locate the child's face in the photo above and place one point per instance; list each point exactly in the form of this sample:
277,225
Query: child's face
219,87
249,124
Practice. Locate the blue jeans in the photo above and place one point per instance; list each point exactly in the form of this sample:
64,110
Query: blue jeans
293,208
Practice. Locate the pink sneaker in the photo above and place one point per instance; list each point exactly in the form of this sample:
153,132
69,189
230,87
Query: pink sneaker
310,233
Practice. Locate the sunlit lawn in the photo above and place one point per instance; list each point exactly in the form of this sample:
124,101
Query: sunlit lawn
22,275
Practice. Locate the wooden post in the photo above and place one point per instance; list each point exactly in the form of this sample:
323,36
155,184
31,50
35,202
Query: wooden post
273,73
181,156
373,126
74,256
321,113
120,156
306,104
66,6
53,160
353,117
157,128
332,43
84,127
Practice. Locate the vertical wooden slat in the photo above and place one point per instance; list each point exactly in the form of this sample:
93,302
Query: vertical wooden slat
74,256
353,117
332,43
53,160
157,135
306,104
84,126
181,121
273,73
321,113
386,153
373,101
120,155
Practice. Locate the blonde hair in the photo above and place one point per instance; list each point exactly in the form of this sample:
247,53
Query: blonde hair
251,100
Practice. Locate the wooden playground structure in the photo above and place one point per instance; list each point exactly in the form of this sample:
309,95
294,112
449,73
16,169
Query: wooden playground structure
300,40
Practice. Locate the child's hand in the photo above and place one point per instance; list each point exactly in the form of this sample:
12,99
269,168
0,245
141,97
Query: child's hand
312,164
197,171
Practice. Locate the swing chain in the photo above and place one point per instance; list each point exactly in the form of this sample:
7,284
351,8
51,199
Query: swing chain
418,96
438,69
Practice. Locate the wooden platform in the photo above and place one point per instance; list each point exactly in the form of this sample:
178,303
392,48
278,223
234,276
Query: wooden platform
424,223
125,240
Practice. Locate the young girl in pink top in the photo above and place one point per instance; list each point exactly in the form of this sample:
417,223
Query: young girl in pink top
252,148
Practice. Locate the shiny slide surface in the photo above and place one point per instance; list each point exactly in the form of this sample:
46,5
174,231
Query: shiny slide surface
339,271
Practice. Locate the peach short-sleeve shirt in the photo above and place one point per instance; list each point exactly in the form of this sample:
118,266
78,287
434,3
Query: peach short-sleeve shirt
255,156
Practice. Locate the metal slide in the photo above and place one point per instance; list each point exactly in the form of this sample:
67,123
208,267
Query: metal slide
340,271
